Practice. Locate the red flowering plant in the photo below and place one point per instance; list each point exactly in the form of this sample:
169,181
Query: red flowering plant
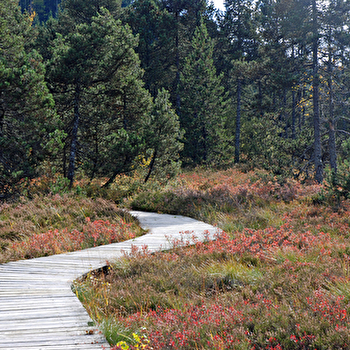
56,223
94,233
279,278
263,289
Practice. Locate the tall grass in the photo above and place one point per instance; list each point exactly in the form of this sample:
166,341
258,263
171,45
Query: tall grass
54,223
278,278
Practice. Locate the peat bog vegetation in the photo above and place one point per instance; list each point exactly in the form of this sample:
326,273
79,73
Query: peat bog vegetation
45,224
278,277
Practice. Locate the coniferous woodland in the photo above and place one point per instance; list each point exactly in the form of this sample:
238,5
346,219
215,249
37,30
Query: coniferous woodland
102,87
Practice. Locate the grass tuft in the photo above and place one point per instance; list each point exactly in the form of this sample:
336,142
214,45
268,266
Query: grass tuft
278,278
55,224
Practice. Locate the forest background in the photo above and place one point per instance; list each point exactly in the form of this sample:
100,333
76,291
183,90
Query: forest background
105,87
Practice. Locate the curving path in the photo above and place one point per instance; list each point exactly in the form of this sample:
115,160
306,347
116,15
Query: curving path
38,310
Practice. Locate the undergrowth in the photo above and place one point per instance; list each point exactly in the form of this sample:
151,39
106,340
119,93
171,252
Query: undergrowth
54,223
231,199
277,278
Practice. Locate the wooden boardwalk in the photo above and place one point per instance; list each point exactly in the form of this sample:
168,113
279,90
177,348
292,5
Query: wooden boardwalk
37,307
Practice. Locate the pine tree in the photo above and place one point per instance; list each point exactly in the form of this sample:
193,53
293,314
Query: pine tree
26,117
154,27
334,18
96,77
239,46
163,134
315,93
186,15
204,105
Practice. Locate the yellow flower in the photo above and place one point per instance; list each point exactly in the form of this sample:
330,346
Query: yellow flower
123,345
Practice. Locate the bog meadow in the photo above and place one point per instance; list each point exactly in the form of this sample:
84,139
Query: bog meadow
277,277
238,118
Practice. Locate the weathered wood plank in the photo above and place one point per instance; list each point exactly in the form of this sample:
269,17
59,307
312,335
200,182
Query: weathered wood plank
15,327
56,340
59,347
39,303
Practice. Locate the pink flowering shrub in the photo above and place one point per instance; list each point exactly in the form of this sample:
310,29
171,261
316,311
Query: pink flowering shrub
52,216
207,196
277,288
94,233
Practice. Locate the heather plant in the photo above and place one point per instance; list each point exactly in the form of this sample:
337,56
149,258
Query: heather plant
274,290
277,279
58,223
94,234
231,199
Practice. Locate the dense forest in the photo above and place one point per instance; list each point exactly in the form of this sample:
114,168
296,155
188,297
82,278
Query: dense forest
105,87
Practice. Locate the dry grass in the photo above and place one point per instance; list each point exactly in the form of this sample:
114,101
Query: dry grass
27,222
278,279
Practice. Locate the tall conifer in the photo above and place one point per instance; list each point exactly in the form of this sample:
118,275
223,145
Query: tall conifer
204,105
26,107
96,78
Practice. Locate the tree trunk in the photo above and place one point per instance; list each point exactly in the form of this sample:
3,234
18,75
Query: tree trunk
64,160
95,157
116,172
331,133
238,121
205,142
316,110
284,108
177,82
293,115
332,146
261,111
151,166
300,109
73,147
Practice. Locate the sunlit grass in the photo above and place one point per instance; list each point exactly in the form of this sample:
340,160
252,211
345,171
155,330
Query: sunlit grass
266,284
54,224
277,278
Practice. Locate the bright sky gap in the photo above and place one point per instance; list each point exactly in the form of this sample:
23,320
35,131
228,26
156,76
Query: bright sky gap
219,4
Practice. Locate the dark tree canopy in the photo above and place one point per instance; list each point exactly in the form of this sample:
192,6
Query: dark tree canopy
26,107
264,83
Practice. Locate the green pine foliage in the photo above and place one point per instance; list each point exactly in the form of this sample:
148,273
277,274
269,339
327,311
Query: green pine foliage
96,77
283,64
154,27
26,107
163,134
204,105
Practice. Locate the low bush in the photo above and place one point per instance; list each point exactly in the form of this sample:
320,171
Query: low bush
278,278
56,223
264,289
94,234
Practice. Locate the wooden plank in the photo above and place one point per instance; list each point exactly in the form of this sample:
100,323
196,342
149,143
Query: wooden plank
46,323
55,340
38,303
44,313
50,331
59,347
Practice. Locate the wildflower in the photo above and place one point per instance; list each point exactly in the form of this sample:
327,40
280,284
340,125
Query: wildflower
293,338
